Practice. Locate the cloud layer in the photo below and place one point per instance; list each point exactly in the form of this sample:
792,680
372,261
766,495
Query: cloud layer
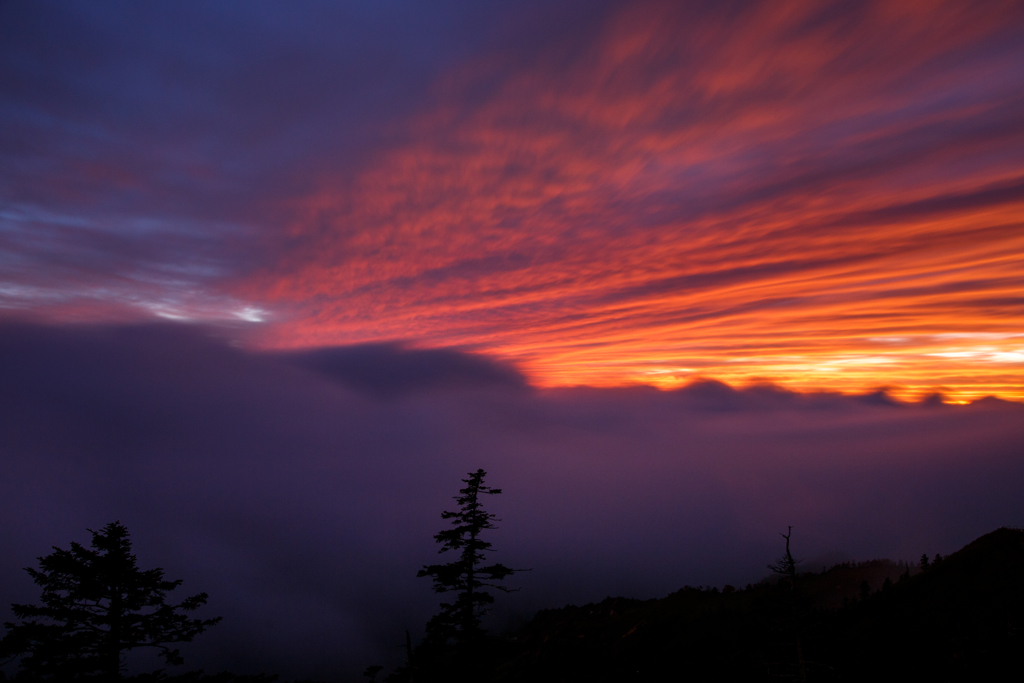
815,194
823,195
303,497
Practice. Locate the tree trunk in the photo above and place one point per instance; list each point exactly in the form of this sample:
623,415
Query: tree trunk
800,660
467,627
113,653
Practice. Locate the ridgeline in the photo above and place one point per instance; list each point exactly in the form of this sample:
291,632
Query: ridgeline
958,619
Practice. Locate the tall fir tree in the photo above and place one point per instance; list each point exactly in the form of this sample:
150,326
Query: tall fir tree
467,576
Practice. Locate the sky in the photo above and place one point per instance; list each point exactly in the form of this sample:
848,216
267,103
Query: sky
275,276
826,196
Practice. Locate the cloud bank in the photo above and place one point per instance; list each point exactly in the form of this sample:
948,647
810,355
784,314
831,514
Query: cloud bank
302,495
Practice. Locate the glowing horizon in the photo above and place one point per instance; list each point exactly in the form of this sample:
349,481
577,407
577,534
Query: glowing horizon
587,221
820,196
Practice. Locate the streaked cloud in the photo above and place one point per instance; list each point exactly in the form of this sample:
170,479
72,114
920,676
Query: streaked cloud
759,191
824,195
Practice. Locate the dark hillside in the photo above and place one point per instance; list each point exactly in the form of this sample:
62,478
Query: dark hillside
961,618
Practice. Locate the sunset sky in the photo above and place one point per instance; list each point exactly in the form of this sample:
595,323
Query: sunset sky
678,275
819,195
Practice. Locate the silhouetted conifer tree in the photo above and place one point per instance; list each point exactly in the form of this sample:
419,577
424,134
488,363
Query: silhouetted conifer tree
98,604
466,576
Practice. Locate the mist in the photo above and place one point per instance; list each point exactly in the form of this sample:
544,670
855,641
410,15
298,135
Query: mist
301,490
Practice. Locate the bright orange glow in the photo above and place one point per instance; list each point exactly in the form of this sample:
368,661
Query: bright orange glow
773,196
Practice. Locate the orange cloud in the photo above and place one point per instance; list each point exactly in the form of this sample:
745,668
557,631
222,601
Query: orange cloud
819,197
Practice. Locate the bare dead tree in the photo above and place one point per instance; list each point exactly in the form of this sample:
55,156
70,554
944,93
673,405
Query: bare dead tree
786,566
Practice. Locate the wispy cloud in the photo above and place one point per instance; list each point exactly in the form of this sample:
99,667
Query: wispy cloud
752,192
642,192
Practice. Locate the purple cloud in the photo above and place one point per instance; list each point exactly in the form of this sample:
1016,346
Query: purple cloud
303,497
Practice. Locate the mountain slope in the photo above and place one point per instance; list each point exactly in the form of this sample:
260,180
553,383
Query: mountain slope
960,619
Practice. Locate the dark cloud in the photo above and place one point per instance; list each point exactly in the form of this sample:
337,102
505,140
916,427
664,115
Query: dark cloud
390,370
989,197
302,493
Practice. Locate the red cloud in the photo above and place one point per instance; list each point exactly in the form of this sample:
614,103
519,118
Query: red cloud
818,196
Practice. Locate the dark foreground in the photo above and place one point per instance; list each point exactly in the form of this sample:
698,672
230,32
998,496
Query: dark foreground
959,619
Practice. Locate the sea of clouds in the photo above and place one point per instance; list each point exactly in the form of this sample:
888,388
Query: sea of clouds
302,490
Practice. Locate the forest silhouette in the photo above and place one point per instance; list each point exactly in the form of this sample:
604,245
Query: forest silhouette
955,618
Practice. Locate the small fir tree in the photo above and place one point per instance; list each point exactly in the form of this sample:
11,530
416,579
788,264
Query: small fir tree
97,604
466,576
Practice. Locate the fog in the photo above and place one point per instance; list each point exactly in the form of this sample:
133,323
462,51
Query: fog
302,490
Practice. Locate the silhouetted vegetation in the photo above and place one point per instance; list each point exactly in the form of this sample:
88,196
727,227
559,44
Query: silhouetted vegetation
792,614
97,604
958,619
456,647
